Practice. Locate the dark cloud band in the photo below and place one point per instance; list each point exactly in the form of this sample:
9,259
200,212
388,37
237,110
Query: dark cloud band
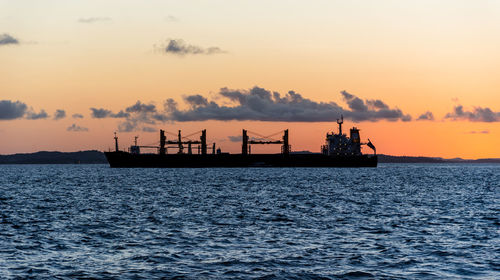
259,104
255,104
478,114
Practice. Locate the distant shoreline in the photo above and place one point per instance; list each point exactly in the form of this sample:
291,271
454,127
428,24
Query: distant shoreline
97,157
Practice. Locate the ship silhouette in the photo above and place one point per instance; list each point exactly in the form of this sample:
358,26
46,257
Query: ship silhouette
339,151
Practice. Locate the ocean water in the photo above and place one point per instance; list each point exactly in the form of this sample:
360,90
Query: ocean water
404,221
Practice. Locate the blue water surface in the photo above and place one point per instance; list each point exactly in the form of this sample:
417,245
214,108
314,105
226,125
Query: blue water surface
397,221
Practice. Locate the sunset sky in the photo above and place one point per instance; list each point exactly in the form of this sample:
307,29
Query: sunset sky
419,78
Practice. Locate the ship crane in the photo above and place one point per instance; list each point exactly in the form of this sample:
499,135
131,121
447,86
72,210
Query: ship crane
181,141
370,144
136,149
246,148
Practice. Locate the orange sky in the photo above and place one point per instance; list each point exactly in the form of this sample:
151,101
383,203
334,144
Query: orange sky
416,56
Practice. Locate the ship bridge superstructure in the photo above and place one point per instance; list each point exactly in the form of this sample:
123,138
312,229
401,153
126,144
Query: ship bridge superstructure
338,144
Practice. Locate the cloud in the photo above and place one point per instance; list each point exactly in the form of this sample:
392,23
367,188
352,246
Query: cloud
170,105
259,104
6,39
77,116
171,18
138,114
76,128
366,110
93,19
134,115
427,116
135,123
479,132
196,100
10,110
32,115
378,104
59,114
120,115
236,138
139,107
478,114
179,47
101,113
255,104
128,126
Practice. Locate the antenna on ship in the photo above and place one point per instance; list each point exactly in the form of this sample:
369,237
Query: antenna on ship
340,122
135,140
116,143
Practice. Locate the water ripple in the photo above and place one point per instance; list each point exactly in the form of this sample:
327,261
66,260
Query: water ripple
394,222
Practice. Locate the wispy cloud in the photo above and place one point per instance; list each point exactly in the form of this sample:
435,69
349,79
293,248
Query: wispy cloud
59,114
139,107
171,18
93,19
427,116
135,116
478,114
76,128
479,132
77,116
234,138
6,39
100,113
32,115
179,47
139,115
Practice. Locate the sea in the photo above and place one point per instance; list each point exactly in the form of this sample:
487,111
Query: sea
397,221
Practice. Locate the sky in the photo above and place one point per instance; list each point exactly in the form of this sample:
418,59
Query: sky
419,78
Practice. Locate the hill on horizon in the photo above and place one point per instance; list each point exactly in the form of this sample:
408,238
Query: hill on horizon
97,157
46,157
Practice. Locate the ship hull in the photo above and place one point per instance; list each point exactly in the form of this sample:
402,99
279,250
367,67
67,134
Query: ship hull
128,160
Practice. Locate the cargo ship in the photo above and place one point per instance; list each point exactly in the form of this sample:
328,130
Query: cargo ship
339,151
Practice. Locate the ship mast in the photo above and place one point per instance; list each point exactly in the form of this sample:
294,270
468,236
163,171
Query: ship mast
340,122
116,143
